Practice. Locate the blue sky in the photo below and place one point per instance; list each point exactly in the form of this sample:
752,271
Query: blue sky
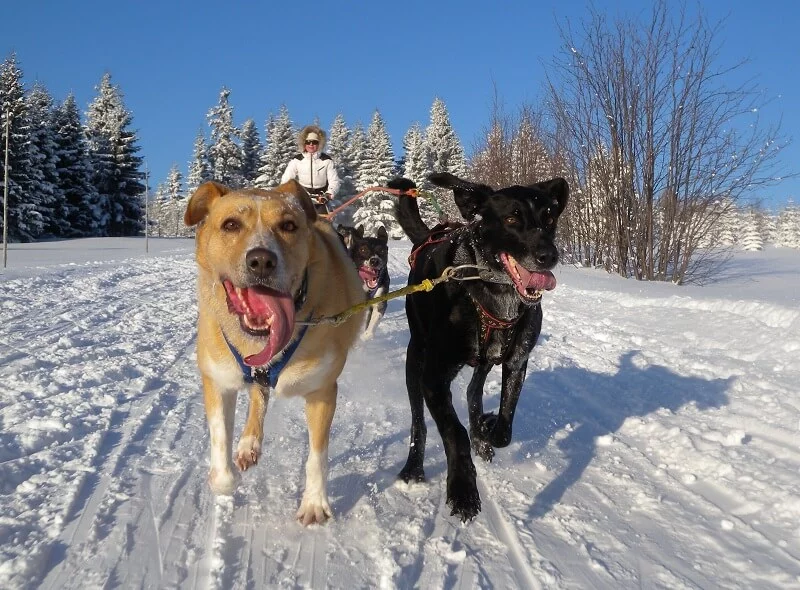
171,59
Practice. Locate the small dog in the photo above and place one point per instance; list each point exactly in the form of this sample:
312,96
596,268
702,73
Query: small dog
492,321
263,260
371,258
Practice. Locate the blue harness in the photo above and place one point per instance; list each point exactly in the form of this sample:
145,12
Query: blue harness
267,376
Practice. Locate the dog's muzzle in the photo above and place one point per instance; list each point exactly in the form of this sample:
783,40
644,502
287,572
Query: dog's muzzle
263,313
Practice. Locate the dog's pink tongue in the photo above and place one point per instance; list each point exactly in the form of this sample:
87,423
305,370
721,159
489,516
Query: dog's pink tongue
541,281
366,273
267,303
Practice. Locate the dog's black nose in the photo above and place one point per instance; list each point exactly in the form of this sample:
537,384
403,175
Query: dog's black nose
261,262
547,257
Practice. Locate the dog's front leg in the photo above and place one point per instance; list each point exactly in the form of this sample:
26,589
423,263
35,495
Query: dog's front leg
477,432
320,407
249,448
462,487
372,321
498,427
374,315
220,408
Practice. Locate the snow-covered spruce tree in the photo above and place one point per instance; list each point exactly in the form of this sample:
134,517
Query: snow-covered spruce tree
25,221
199,168
765,224
117,167
728,223
281,146
44,159
159,212
788,227
751,239
446,153
417,167
175,201
377,208
337,147
357,153
251,152
80,205
224,153
770,222
266,167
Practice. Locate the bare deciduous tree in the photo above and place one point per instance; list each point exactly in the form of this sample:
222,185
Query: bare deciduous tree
655,137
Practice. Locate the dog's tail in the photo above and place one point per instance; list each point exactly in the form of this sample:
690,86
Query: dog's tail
408,211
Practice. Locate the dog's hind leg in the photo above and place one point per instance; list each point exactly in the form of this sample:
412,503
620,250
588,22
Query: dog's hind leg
220,409
475,403
413,470
249,448
320,407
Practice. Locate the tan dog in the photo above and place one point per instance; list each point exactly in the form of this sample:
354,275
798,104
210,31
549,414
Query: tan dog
264,259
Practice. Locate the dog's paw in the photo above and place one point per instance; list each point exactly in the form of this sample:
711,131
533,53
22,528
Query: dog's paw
367,336
483,448
486,425
410,474
462,490
314,509
247,452
464,500
494,430
222,481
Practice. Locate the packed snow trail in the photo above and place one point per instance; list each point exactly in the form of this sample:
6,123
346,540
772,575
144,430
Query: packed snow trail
655,445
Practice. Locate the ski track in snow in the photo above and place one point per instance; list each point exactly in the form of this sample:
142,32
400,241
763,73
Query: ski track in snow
649,451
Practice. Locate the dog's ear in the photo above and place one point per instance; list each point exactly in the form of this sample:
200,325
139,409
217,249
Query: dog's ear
559,190
293,187
382,235
201,200
469,196
346,234
360,231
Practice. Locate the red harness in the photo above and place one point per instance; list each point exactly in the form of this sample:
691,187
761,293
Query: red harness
438,234
489,323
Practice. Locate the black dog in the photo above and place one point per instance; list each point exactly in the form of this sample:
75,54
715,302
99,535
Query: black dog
495,320
371,257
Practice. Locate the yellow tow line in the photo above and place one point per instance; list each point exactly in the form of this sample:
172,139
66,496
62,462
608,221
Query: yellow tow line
449,273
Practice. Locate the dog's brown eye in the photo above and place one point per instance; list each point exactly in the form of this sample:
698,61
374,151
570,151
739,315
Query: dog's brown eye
511,220
549,221
288,226
364,251
231,225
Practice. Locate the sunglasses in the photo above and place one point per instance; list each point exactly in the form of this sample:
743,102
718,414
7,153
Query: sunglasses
312,142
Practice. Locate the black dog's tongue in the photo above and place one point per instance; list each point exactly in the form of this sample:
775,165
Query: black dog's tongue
542,280
527,280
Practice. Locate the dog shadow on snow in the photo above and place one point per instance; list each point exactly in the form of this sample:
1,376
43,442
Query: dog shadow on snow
586,405
590,405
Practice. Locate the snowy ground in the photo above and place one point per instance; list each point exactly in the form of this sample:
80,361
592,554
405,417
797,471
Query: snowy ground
656,444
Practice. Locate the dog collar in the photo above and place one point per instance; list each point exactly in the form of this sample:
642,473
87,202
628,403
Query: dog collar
267,376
